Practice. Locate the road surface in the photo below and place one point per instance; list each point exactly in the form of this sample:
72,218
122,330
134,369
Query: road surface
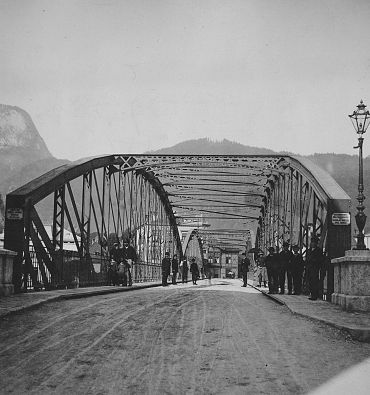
183,339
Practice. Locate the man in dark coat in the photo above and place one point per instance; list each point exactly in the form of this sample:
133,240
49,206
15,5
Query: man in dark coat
285,258
175,269
244,268
166,268
129,258
185,270
115,255
272,264
297,266
314,264
194,270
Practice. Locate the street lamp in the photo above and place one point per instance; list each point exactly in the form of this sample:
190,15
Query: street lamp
360,120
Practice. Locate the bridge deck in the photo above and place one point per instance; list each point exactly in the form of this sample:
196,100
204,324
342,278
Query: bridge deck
180,339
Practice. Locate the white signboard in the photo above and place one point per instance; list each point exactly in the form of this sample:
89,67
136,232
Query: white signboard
14,213
341,218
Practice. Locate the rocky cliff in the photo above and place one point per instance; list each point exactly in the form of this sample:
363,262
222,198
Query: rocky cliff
17,130
23,153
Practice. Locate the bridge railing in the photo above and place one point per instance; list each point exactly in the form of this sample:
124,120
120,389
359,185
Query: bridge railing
94,203
70,271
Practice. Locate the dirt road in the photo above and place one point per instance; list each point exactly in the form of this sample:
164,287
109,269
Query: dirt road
219,339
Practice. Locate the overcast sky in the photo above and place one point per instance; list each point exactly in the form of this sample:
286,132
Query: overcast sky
115,76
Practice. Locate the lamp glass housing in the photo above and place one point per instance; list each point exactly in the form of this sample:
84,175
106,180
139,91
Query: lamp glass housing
360,118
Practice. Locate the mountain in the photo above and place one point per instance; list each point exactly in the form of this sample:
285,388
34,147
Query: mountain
23,153
17,131
25,156
206,146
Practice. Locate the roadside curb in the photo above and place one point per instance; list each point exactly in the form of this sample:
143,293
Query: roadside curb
355,332
82,293
275,299
76,295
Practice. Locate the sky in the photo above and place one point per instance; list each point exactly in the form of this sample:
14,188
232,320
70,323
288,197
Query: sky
114,76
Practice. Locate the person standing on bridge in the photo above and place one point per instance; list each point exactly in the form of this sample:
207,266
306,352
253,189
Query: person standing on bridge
166,268
272,266
115,256
244,268
194,271
175,269
208,271
261,266
314,264
285,259
129,259
185,270
297,270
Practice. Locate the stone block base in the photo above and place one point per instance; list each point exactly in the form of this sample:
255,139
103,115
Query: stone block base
6,272
351,302
6,289
352,280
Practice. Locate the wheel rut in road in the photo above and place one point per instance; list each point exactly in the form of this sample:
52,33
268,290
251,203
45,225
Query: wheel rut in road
176,340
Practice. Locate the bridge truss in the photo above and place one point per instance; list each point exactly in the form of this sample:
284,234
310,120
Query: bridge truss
149,198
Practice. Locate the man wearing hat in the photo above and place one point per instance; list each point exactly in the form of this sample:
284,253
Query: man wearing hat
297,267
115,253
261,269
129,258
285,258
185,270
175,269
272,263
166,268
314,263
115,256
194,270
244,268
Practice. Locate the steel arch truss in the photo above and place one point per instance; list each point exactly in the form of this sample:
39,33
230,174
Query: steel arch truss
146,197
99,201
299,202
192,246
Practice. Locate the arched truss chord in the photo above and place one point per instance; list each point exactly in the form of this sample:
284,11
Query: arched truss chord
277,197
300,200
289,197
192,245
98,201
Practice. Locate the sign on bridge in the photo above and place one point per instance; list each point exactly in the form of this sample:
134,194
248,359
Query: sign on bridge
14,213
341,218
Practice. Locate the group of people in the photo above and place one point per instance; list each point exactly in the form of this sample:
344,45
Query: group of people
289,265
121,261
168,263
123,258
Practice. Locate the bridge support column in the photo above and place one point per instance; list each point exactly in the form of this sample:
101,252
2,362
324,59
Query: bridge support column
352,280
6,272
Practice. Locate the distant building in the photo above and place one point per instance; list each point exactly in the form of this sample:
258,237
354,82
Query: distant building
68,240
230,263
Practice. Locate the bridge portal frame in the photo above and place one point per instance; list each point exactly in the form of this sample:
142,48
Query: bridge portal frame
309,194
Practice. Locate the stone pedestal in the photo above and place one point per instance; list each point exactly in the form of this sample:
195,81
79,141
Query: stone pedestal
6,272
352,281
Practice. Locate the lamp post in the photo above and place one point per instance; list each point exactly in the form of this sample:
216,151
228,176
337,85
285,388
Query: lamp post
360,120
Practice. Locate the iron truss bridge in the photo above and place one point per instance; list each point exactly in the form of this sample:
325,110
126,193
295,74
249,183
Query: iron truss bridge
63,223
